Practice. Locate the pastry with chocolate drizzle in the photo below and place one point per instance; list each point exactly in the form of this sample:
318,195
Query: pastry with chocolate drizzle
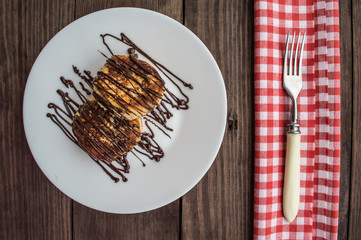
132,86
109,126
104,135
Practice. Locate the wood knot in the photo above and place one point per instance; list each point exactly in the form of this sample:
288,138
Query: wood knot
232,121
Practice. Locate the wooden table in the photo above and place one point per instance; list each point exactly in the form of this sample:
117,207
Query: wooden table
221,205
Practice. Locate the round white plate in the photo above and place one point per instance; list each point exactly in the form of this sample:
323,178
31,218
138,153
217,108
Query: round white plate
198,132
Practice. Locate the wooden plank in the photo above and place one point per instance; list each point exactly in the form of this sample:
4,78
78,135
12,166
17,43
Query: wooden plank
346,114
162,223
30,206
355,197
172,8
221,205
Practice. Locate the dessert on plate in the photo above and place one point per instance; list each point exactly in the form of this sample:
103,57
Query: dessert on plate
132,86
125,93
104,135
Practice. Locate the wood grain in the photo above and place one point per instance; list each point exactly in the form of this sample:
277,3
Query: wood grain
221,205
162,223
355,196
30,206
346,115
171,8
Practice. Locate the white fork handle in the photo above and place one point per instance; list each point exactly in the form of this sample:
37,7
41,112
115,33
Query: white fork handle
291,188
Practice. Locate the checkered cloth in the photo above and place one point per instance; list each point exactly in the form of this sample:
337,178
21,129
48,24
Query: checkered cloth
319,115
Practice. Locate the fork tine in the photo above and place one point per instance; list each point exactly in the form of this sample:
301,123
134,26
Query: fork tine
301,54
290,65
286,54
295,63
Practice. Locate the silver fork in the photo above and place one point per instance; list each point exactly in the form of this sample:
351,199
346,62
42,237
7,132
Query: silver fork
292,83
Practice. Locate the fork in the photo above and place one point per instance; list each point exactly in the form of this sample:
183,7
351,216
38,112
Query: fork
292,83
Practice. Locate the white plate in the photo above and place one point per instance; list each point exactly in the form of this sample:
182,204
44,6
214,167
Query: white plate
198,132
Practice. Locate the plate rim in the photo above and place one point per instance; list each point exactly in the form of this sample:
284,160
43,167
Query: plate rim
215,150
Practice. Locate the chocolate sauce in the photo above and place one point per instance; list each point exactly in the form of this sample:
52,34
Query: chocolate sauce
146,98
100,129
174,101
148,120
148,146
85,89
87,77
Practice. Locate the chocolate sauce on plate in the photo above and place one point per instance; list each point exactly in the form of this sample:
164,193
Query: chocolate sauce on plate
100,129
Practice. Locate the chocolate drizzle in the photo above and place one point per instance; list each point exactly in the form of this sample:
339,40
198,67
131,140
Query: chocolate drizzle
132,85
172,99
99,127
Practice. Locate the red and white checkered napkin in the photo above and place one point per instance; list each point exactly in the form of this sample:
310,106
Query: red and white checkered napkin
319,107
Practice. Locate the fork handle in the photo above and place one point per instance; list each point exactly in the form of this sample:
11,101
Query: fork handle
291,188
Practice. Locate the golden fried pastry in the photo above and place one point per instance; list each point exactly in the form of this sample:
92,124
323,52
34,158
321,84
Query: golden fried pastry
131,86
103,135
